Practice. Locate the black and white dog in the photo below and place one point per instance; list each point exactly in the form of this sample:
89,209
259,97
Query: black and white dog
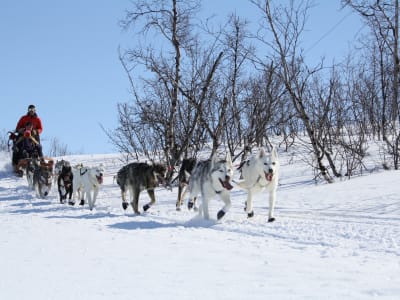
185,171
211,178
260,172
136,177
65,181
57,168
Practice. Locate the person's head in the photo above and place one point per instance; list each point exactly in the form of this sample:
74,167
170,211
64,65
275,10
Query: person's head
31,109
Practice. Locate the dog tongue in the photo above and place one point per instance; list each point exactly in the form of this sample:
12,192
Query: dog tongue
268,176
226,184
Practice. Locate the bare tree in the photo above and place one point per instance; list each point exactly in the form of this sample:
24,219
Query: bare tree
171,79
157,101
57,148
286,25
382,17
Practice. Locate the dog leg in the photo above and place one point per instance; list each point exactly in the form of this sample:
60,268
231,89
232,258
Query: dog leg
40,187
152,202
61,191
81,194
135,202
192,204
92,200
226,199
206,214
62,199
124,202
179,201
249,205
272,196
69,192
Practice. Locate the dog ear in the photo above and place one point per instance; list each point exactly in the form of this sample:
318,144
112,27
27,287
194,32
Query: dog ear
261,153
228,158
274,153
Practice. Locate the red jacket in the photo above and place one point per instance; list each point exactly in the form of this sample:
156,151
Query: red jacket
34,120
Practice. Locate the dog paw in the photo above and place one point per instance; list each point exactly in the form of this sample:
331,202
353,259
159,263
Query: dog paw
190,205
271,219
146,207
125,205
220,214
250,214
178,208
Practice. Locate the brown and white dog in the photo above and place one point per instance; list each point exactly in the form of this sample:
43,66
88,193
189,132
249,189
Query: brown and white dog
42,177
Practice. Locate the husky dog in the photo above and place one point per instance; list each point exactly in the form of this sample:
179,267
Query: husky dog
183,179
136,177
260,172
31,165
210,178
58,167
43,177
85,181
64,181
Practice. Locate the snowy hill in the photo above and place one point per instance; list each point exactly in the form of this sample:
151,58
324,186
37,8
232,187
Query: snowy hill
338,241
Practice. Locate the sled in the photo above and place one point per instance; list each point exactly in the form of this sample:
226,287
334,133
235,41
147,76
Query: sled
24,147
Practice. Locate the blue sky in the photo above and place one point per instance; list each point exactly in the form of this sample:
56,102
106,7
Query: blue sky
62,57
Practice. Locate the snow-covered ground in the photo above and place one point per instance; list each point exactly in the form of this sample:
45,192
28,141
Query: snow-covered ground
330,241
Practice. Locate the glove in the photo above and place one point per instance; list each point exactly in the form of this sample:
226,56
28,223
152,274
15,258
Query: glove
34,132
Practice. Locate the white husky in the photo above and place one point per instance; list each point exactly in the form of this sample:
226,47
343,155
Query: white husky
85,181
211,178
260,172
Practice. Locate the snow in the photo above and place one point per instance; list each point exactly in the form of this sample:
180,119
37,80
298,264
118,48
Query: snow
330,241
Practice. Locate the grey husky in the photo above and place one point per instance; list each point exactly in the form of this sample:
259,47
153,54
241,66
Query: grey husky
260,172
136,177
211,178
43,178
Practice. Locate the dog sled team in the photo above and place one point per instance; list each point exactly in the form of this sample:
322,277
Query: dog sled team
202,180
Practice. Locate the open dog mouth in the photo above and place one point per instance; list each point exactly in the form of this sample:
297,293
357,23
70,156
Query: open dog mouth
268,176
225,183
100,179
